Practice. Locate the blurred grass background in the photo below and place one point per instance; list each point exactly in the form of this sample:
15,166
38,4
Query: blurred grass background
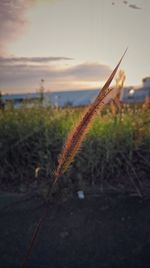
116,150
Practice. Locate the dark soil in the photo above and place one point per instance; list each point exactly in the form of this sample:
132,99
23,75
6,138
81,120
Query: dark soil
100,231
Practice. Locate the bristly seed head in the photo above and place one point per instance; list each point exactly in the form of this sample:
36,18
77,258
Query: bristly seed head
76,137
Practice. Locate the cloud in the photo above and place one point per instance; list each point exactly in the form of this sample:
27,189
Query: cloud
27,76
89,71
16,60
134,6
13,20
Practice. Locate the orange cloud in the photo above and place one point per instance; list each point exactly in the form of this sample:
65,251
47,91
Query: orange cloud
13,20
22,73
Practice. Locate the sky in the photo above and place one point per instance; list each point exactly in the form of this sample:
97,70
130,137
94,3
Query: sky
72,44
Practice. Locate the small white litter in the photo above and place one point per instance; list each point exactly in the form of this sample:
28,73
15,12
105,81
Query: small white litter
81,195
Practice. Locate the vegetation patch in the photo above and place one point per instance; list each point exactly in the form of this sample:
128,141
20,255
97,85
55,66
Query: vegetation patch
116,151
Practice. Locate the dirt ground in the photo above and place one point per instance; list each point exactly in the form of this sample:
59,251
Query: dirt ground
111,231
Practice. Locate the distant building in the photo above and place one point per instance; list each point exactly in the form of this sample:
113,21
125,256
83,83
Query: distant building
56,99
76,98
146,81
17,100
136,94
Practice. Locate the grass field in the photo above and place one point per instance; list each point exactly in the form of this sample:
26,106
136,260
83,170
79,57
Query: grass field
116,150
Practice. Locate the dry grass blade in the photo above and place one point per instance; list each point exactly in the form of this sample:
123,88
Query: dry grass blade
115,102
75,138
70,149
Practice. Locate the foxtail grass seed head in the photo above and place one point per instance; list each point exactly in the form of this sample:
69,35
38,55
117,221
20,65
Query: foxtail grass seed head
76,137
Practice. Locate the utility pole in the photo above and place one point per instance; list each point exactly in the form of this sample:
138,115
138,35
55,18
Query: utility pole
41,90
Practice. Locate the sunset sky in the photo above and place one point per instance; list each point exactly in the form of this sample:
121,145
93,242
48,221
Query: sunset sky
71,44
